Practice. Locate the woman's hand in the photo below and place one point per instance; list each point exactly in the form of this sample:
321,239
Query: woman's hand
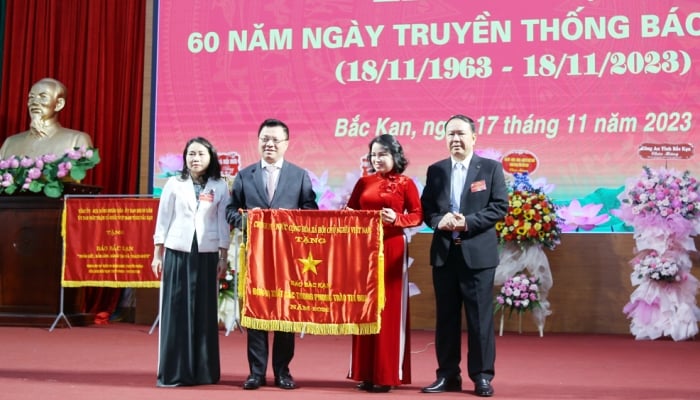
157,266
388,215
221,267
157,263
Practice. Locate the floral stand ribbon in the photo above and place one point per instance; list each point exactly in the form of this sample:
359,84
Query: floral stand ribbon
229,313
662,234
530,258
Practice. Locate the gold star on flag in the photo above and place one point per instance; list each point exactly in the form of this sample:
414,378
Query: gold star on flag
309,263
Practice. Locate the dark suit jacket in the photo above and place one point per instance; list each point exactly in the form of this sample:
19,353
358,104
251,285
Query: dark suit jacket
294,191
484,202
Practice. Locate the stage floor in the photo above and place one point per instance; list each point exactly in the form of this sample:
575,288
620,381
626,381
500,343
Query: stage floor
118,361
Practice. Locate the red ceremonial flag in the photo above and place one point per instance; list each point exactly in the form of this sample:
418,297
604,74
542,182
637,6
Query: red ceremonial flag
312,271
108,242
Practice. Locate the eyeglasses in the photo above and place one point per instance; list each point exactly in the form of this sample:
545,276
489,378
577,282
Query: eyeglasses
265,139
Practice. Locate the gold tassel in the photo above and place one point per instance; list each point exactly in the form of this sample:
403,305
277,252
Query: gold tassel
242,254
381,300
63,244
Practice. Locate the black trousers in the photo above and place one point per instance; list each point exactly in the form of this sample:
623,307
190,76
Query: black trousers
457,285
258,350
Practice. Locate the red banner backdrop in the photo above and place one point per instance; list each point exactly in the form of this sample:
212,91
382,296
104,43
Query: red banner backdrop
108,242
311,271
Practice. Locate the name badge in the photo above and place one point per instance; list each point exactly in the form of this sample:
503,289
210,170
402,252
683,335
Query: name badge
207,195
478,186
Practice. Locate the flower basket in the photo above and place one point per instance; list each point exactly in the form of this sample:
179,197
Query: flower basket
531,217
663,208
533,260
530,226
519,293
652,266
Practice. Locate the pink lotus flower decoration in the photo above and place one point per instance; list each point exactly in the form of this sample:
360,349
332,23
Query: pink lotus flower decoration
489,153
170,163
575,216
329,198
541,183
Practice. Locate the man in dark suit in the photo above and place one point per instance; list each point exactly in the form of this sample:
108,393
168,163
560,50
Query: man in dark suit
465,195
271,182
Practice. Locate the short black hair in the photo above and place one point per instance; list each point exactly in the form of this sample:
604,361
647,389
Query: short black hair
272,122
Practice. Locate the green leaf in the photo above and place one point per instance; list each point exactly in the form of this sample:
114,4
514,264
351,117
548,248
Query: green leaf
35,186
95,157
53,189
226,293
50,170
78,173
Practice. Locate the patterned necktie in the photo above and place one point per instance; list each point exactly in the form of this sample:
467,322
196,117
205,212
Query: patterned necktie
271,180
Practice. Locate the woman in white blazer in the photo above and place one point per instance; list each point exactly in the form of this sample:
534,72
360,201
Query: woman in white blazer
191,243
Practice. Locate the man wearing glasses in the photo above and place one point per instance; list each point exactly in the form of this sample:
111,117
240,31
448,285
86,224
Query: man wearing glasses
271,182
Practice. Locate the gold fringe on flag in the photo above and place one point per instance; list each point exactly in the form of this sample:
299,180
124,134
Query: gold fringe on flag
310,327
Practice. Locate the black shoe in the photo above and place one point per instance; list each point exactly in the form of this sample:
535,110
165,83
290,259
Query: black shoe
444,385
253,382
365,385
285,382
380,389
483,388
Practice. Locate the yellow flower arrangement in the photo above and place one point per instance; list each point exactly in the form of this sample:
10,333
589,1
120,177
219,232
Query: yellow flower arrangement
531,217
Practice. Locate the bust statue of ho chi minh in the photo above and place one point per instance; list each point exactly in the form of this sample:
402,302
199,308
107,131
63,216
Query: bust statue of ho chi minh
45,135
